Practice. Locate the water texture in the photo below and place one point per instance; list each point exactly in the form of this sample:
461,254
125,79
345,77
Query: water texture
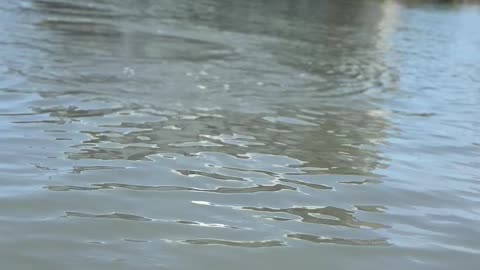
221,134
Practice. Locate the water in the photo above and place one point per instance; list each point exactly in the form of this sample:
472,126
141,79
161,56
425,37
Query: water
219,134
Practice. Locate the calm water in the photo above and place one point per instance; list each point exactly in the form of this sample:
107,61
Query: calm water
215,134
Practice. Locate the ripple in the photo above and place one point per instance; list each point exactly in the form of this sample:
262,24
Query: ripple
371,208
336,216
81,169
268,173
223,190
243,244
43,168
237,132
417,114
288,120
133,152
209,225
58,122
258,188
192,173
81,27
203,143
75,112
235,139
68,8
108,216
367,181
307,184
70,188
339,241
136,240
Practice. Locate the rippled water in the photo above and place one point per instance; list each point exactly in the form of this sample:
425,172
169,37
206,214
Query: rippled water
216,134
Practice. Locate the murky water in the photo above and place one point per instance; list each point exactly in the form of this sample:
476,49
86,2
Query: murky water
216,134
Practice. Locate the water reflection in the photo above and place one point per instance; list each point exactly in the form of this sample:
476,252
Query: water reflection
164,94
310,64
340,241
245,244
184,127
341,217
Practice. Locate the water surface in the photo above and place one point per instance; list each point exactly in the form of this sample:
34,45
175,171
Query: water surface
239,134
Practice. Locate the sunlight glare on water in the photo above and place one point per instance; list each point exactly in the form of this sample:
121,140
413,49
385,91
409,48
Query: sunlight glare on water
221,134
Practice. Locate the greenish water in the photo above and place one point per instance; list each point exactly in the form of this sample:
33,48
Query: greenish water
221,134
